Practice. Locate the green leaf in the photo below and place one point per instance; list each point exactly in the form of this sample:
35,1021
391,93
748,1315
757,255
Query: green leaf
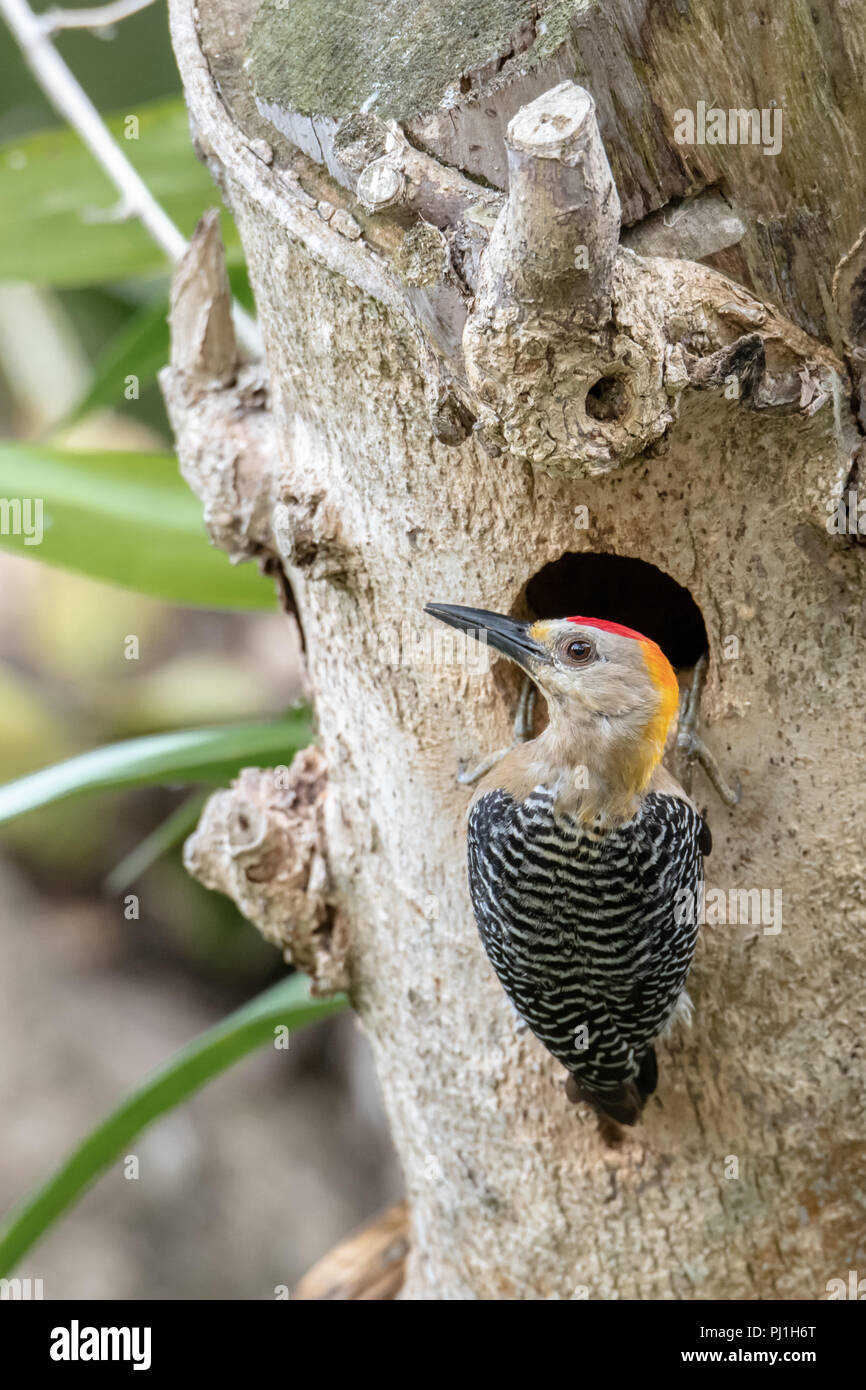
286,1004
194,755
56,203
161,839
126,518
140,348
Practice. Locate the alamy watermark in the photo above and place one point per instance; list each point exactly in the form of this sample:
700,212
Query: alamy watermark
714,125
846,514
853,1289
730,907
22,516
77,1343
416,647
21,1290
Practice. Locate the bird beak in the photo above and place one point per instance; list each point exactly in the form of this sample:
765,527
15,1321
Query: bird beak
507,635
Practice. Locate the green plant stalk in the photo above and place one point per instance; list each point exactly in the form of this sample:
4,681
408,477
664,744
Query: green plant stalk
161,839
286,1004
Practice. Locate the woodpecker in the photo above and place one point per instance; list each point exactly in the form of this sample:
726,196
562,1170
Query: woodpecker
585,854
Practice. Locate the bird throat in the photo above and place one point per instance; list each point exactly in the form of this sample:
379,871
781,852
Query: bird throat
599,779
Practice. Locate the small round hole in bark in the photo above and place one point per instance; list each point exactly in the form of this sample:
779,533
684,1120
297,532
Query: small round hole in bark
608,399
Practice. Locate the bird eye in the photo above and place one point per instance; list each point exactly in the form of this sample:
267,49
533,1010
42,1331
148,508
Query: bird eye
577,651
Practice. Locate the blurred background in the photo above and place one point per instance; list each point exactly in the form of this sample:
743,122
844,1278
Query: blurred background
263,1171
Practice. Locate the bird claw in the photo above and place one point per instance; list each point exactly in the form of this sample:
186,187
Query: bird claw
691,747
694,749
467,779
525,716
523,722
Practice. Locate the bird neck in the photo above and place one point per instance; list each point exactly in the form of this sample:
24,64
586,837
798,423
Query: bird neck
598,769
597,774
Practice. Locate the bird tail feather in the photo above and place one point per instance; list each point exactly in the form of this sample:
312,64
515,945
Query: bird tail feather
625,1103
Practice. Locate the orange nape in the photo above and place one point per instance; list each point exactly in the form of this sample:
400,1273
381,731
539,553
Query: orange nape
661,673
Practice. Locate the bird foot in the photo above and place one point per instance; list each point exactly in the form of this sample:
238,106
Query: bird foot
523,721
691,748
612,1134
468,777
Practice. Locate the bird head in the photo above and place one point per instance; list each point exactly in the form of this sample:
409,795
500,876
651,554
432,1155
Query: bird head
608,688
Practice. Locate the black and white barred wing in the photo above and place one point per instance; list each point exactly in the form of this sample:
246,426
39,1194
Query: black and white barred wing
585,933
667,843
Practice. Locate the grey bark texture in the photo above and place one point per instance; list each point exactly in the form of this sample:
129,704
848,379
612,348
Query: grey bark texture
451,401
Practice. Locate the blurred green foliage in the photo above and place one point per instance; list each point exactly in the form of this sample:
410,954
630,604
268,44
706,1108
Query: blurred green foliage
191,755
58,222
130,70
128,518
114,507
134,65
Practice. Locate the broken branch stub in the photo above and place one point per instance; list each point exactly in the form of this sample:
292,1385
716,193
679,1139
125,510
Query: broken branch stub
538,332
262,843
203,336
380,185
577,349
564,348
219,408
553,248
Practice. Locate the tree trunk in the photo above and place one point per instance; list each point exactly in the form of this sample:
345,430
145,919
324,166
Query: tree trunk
463,388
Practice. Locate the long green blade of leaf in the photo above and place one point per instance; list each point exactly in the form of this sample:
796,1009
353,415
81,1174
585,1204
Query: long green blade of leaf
140,347
161,839
58,210
191,755
286,1004
139,350
125,518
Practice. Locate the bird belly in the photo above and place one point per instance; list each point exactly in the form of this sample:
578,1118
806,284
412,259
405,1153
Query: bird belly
581,928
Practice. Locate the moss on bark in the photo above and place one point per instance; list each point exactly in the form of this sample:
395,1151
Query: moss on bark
393,57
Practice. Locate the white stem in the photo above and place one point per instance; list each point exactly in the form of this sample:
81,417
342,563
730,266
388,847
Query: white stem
100,17
69,98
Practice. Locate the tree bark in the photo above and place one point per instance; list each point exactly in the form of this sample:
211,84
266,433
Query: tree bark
452,407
